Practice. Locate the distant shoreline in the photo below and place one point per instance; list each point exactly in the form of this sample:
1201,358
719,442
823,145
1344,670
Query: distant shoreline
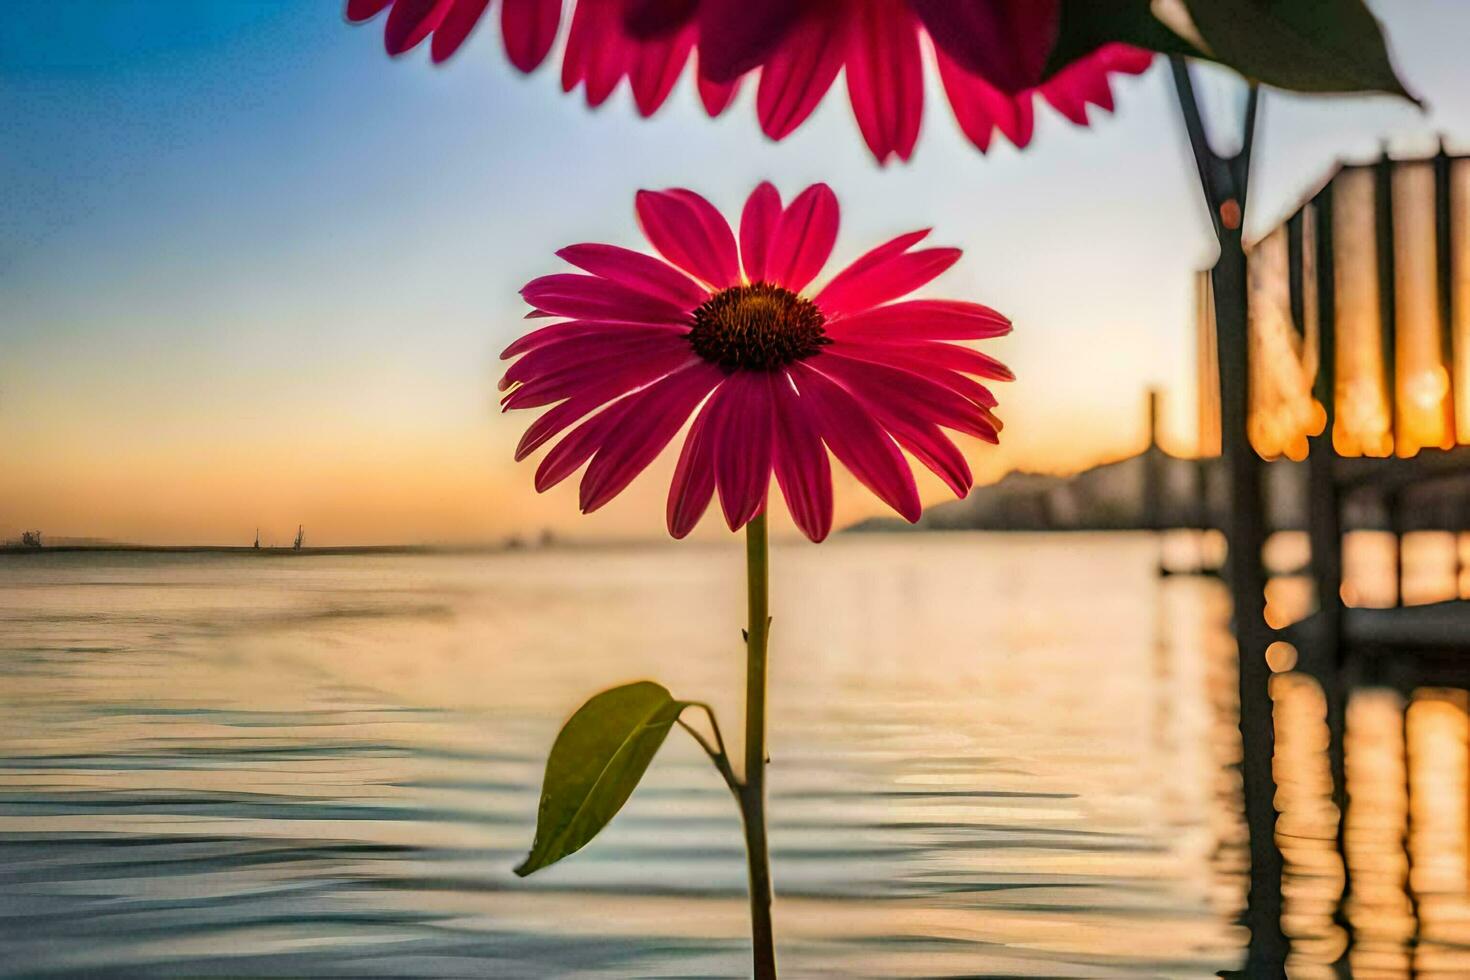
276,552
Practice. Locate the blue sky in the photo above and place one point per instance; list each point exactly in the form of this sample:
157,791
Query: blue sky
253,271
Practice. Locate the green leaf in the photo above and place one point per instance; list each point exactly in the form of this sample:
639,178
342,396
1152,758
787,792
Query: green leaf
595,764
1298,45
1301,45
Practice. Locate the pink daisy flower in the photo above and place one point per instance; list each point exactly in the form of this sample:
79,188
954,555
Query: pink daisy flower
774,375
991,56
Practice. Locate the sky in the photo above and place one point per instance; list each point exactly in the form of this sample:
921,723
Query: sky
254,273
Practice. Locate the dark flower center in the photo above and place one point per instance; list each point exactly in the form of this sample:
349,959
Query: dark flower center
759,327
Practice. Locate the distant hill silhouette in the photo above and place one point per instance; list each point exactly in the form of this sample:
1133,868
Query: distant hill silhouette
1153,490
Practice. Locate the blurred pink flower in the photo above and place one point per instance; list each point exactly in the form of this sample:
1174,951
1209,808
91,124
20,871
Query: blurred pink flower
991,56
728,334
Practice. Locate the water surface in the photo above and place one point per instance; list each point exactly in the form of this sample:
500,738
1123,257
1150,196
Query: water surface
992,756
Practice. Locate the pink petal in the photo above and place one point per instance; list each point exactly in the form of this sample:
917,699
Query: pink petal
925,360
595,298
410,21
885,77
757,227
529,29
654,66
922,319
1085,81
653,417
716,96
567,456
951,356
693,485
570,329
743,456
637,271
456,26
555,420
908,393
596,51
604,380
360,10
738,35
804,238
980,108
802,468
916,432
688,231
858,441
854,290
877,256
796,77
931,447
592,351
648,19
1006,42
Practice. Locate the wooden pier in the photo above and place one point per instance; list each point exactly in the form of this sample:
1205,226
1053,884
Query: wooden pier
1342,339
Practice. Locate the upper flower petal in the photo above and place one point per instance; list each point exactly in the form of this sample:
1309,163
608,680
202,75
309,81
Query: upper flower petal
410,21
758,223
652,418
1007,42
885,76
1086,81
799,73
800,461
716,96
688,231
737,35
529,27
875,279
596,51
654,66
638,271
647,19
456,26
857,440
596,298
360,10
803,238
980,108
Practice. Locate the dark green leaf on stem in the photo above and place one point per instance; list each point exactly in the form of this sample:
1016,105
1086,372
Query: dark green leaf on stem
595,764
1300,45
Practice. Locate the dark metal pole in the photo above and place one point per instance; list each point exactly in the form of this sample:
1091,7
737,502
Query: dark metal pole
1325,531
1225,183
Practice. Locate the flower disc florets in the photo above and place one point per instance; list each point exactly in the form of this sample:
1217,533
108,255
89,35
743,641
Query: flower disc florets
759,327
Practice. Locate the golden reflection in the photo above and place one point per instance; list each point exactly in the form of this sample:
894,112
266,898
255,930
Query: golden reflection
1306,828
1283,361
1460,292
1424,415
1379,907
1439,819
1363,416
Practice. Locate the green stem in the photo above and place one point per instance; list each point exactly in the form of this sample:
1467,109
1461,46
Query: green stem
753,790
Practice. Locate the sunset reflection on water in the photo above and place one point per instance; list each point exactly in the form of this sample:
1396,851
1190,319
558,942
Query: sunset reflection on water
992,756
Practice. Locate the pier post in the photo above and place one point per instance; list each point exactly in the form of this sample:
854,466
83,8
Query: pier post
1225,182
